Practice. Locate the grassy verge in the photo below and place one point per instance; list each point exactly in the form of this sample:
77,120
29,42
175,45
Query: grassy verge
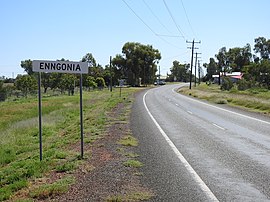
256,100
19,143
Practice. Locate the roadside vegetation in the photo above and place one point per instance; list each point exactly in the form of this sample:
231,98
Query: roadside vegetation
253,99
21,172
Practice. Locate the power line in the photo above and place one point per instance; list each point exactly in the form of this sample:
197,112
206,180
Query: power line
140,18
156,16
158,35
187,18
165,35
177,26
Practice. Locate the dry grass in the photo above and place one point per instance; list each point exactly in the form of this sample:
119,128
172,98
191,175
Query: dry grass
256,100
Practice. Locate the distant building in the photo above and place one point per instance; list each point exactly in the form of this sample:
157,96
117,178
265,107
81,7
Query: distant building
234,76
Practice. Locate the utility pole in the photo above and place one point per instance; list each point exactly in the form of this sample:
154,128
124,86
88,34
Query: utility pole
199,71
111,73
159,75
196,67
191,63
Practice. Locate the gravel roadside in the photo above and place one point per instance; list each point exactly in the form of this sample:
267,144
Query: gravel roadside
104,177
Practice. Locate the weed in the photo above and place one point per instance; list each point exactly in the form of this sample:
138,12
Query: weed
133,163
128,140
48,190
60,155
221,101
114,199
132,155
68,166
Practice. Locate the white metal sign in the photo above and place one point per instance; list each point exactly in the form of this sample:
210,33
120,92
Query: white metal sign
60,66
121,82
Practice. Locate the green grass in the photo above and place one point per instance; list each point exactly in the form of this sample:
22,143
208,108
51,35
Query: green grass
19,139
133,163
49,190
256,100
128,140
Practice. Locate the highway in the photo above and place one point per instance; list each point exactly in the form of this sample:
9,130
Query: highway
196,151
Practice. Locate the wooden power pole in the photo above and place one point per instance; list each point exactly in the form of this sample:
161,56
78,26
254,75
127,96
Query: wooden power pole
191,62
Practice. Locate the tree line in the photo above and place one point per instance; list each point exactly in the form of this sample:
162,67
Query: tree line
136,65
255,66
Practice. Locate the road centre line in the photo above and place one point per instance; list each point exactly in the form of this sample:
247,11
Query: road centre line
225,110
218,126
190,112
189,168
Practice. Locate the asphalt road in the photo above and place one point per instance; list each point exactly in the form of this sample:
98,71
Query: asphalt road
195,151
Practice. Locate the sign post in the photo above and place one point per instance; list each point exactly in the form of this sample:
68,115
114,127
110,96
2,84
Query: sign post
39,117
121,84
81,116
60,67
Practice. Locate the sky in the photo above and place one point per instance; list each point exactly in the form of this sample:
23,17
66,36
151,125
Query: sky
55,29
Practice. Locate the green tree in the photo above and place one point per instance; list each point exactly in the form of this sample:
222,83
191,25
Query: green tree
119,67
89,58
26,84
262,46
54,80
211,69
95,70
237,58
27,66
90,82
138,61
67,82
45,81
264,68
180,71
222,60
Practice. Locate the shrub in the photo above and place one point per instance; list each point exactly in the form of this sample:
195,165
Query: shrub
243,85
100,82
227,84
3,92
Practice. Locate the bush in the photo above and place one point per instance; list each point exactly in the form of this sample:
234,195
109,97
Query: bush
243,85
227,84
100,82
3,92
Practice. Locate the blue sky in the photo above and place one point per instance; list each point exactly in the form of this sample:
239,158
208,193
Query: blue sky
55,29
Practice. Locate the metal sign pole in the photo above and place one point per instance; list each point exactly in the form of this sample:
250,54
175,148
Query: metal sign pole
40,115
81,116
120,90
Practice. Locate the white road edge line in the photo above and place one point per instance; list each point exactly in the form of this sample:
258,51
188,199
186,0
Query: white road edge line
189,168
225,110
